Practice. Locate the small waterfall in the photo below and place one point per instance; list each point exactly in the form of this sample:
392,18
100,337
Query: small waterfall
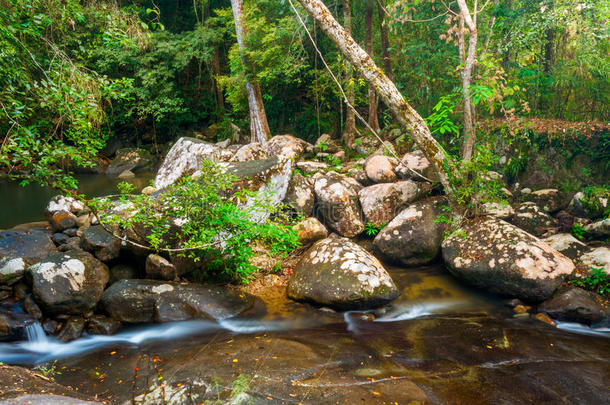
35,333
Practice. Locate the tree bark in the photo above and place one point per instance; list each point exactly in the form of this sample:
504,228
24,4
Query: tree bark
259,128
385,44
468,61
350,117
373,119
386,89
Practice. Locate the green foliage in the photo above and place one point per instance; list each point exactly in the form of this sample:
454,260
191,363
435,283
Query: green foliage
441,120
371,229
48,370
598,282
593,197
578,231
205,219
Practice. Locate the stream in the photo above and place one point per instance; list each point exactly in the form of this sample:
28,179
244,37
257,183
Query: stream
440,342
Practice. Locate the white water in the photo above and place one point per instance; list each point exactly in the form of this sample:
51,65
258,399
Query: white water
583,329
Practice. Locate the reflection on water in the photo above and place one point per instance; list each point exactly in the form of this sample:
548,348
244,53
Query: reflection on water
19,204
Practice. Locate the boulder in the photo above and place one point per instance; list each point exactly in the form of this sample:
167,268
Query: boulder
415,165
184,159
102,325
72,330
100,243
251,151
310,230
312,167
30,306
338,273
130,159
138,301
59,238
326,144
13,325
61,220
592,204
367,145
380,169
18,250
338,203
599,229
598,258
300,195
286,147
382,202
529,217
575,305
547,199
414,236
68,283
567,245
72,243
499,210
497,256
157,267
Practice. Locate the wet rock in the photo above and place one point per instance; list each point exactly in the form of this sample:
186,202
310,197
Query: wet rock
497,256
414,237
137,301
599,229
157,267
311,167
21,290
338,273
12,325
102,325
72,330
300,195
184,159
310,230
498,210
575,305
130,159
415,165
529,217
598,258
521,309
591,205
567,245
31,307
380,169
338,203
61,220
59,238
122,272
5,292
382,202
100,243
285,147
251,151
547,199
71,244
70,282
20,249
544,318
71,232
51,326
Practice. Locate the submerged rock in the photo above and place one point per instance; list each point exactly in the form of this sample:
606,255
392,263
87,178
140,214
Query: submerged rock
414,237
338,203
338,273
184,159
141,301
575,305
382,202
68,283
99,242
497,256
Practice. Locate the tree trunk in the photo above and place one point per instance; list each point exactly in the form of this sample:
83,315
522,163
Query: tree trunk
373,119
469,61
386,89
350,117
385,44
220,100
259,129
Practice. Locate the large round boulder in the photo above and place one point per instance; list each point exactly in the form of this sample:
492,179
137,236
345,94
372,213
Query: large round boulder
338,203
380,169
497,256
338,273
101,243
142,301
382,202
68,283
285,147
251,151
414,237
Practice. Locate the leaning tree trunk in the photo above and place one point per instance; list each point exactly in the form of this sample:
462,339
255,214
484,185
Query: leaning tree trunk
469,60
259,129
373,119
350,117
389,94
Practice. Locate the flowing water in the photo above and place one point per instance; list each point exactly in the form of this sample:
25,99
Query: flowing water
440,342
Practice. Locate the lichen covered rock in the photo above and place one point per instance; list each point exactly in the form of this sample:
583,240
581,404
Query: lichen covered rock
310,230
380,169
338,203
531,218
382,202
285,147
497,256
338,273
300,195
